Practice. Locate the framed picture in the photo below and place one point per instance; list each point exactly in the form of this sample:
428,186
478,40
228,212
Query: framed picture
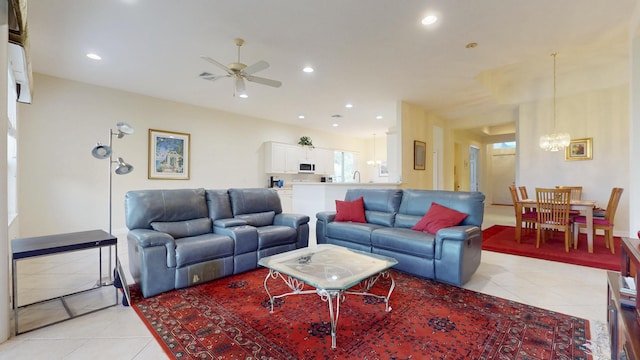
578,149
383,170
419,154
169,154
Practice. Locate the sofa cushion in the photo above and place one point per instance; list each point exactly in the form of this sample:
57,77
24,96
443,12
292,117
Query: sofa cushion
439,217
350,210
258,219
352,231
142,207
270,236
380,205
219,204
249,201
404,241
417,203
180,229
196,249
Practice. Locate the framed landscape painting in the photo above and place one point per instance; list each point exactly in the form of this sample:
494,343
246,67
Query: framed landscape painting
169,154
419,155
579,149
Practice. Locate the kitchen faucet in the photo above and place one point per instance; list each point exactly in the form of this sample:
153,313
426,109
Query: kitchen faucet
354,175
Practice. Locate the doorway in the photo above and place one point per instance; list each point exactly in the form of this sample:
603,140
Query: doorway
503,170
474,153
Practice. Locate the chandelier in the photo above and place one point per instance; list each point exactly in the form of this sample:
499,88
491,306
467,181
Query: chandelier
375,161
554,141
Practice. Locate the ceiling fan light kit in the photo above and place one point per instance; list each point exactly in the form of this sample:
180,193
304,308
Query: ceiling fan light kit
240,72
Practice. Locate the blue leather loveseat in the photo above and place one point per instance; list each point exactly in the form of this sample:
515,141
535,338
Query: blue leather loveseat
179,238
451,255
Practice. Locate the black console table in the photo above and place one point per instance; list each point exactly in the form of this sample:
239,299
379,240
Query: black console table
624,323
27,248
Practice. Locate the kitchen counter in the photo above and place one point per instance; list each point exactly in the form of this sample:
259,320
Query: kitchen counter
349,184
309,198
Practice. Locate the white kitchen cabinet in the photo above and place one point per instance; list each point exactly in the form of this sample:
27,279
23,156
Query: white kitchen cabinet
323,159
286,199
281,158
274,158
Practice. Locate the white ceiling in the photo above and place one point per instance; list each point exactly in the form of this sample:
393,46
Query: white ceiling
371,53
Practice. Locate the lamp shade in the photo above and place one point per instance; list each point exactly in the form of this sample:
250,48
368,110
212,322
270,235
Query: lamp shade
101,151
124,129
123,168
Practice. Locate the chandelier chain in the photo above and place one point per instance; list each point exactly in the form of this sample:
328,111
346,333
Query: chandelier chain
554,92
555,141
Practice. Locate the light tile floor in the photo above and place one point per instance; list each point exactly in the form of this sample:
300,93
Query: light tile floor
118,333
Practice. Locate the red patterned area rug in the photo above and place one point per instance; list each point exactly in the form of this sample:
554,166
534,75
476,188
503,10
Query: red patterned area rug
501,239
229,319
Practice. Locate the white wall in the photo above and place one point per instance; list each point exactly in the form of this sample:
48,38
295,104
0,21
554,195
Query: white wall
63,188
634,123
4,229
602,115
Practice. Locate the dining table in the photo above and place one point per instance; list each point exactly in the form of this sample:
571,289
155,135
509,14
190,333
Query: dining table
584,206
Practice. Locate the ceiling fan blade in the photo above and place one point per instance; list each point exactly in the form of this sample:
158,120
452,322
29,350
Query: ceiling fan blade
223,67
259,66
240,88
263,81
211,77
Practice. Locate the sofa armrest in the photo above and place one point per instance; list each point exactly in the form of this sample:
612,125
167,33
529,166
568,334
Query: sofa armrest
146,238
227,223
326,216
245,237
323,218
290,220
455,233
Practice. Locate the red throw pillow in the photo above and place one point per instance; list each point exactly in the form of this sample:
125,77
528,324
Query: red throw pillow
438,217
350,210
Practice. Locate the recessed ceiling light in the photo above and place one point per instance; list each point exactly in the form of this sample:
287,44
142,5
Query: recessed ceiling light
335,125
300,116
379,117
93,56
244,96
308,69
349,106
429,20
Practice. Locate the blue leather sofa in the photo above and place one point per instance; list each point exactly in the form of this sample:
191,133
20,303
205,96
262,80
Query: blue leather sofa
452,255
179,238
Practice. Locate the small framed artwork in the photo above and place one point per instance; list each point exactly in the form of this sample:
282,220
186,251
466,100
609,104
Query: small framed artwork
579,149
419,155
383,170
169,154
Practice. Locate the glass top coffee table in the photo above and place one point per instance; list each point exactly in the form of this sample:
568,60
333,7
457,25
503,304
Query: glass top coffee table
333,271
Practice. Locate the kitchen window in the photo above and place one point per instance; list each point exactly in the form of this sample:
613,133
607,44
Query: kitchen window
344,165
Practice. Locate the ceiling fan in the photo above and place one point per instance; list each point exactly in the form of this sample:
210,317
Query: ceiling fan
240,72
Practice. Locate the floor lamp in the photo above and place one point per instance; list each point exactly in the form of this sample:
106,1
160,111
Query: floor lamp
122,168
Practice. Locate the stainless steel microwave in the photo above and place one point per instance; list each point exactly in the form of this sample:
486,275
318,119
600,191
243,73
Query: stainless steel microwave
306,167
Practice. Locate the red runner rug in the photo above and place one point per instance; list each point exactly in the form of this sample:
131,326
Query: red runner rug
501,239
229,319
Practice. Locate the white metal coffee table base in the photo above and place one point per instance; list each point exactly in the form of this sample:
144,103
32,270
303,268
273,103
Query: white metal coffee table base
297,288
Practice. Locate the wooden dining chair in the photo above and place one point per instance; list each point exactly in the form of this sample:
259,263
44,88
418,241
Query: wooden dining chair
528,218
576,194
527,209
523,192
553,213
606,224
576,191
